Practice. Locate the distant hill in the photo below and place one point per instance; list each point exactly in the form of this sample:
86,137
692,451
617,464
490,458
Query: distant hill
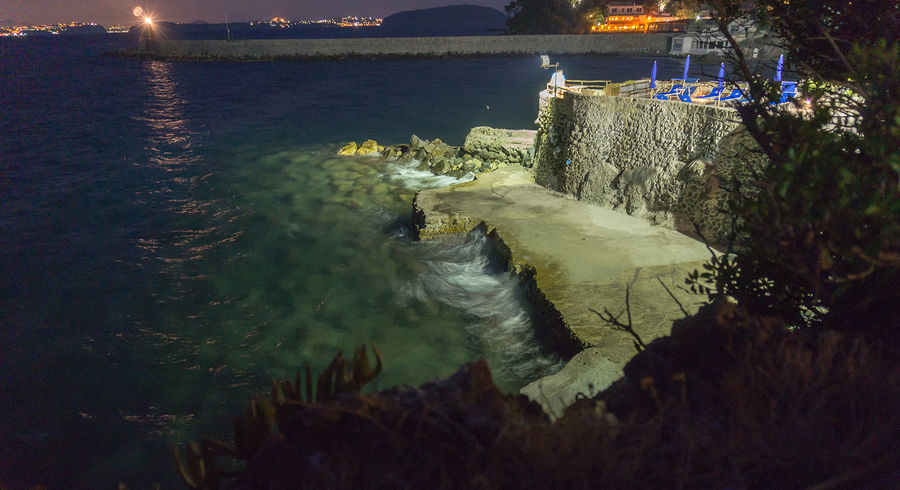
200,22
453,20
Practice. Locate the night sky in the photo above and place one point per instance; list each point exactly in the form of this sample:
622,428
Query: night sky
120,11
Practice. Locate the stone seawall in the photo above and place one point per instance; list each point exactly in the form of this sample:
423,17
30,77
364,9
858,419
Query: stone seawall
665,161
273,49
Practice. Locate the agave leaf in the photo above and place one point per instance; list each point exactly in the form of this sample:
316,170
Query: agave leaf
341,375
183,471
254,427
325,382
362,372
309,386
266,412
195,463
360,368
288,391
378,363
277,389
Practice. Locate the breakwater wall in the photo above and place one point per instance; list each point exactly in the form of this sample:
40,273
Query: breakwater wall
669,162
278,49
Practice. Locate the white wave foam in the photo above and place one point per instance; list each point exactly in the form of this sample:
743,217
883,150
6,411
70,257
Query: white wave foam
414,179
460,274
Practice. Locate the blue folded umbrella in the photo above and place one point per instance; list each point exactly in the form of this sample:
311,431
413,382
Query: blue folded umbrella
778,68
685,95
788,92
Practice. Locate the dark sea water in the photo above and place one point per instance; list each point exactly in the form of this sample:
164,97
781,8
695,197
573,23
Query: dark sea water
174,235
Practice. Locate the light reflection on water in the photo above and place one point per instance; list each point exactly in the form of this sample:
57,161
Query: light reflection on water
164,116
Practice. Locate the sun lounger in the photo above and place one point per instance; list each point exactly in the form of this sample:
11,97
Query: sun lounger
715,92
685,94
665,95
788,92
733,96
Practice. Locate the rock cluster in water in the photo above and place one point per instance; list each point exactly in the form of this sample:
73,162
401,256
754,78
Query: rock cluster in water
484,150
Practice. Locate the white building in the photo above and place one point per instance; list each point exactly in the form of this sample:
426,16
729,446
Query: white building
624,9
708,39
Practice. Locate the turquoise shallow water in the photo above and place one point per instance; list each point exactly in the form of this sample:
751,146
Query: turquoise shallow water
172,236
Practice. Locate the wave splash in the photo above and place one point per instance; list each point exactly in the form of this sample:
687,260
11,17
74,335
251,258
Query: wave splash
466,274
411,177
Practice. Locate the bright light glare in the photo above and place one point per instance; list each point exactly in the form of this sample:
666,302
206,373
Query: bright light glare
148,20
138,11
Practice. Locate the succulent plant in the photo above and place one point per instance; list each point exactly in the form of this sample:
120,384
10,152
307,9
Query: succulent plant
254,427
334,379
192,467
263,416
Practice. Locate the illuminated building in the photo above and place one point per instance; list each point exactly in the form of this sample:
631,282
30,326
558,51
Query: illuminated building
632,18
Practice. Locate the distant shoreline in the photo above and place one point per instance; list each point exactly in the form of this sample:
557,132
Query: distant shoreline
405,47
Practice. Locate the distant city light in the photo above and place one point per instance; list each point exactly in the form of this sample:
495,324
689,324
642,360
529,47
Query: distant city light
145,16
52,29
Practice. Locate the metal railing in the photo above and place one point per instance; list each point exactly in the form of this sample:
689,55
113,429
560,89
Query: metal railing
590,87
641,88
579,85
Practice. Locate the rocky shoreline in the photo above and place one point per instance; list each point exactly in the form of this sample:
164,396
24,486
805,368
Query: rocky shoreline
485,149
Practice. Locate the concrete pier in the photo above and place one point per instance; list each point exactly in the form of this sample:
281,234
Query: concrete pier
280,49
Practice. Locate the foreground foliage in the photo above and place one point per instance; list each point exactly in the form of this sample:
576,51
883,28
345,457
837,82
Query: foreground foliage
730,400
818,238
200,465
